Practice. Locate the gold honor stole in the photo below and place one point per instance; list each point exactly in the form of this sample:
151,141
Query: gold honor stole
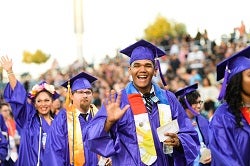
75,138
143,129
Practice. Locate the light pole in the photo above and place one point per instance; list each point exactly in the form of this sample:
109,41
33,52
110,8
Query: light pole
78,28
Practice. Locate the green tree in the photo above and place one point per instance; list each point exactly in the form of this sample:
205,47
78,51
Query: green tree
180,29
163,26
38,57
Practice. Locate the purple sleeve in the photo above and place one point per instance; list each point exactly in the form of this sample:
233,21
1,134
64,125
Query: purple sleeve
97,135
187,135
3,146
3,139
229,144
57,150
17,99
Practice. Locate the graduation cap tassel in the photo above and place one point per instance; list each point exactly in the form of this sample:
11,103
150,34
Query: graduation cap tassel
67,101
223,88
161,75
190,107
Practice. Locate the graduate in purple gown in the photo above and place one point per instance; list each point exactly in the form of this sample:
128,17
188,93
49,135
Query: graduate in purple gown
126,129
3,141
66,142
230,127
191,101
32,114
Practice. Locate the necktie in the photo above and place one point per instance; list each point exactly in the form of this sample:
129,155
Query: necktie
84,116
149,102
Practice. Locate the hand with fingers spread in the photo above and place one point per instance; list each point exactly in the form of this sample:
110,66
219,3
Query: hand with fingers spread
114,112
6,63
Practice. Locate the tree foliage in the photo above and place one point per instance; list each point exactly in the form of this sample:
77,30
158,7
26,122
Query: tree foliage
163,26
38,57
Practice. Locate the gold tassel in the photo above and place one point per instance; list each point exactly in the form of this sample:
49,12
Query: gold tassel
68,100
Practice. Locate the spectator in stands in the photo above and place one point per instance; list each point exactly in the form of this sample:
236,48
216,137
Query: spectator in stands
14,137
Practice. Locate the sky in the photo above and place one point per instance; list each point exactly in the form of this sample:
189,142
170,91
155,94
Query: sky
108,25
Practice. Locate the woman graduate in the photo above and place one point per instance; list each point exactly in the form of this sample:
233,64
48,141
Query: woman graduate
230,127
32,114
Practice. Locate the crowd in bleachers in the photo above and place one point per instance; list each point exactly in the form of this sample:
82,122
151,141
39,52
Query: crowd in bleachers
188,60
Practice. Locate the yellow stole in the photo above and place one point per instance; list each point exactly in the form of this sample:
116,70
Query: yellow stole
76,147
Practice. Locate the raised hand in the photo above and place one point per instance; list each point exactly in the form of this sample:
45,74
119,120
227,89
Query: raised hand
6,63
114,111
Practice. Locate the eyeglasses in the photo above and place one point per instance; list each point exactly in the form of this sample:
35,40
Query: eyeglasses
81,92
199,102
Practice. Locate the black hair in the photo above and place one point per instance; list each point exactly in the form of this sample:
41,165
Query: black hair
191,98
209,105
233,97
44,90
4,104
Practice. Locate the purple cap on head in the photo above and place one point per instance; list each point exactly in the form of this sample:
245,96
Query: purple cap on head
182,94
231,66
188,89
142,50
80,81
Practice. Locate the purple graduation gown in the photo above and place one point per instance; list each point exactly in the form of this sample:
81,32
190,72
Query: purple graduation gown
121,142
3,139
57,146
230,145
28,121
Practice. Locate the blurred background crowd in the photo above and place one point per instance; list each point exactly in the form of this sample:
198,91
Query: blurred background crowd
188,60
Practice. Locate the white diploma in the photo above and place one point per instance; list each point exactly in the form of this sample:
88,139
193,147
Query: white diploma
171,127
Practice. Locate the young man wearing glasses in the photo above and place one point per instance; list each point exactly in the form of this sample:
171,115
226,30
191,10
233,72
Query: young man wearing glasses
66,141
191,101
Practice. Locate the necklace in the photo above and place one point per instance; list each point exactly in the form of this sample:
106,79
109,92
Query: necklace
246,104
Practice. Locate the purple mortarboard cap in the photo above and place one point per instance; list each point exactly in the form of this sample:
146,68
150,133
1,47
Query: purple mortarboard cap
182,94
188,89
231,66
80,81
141,50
